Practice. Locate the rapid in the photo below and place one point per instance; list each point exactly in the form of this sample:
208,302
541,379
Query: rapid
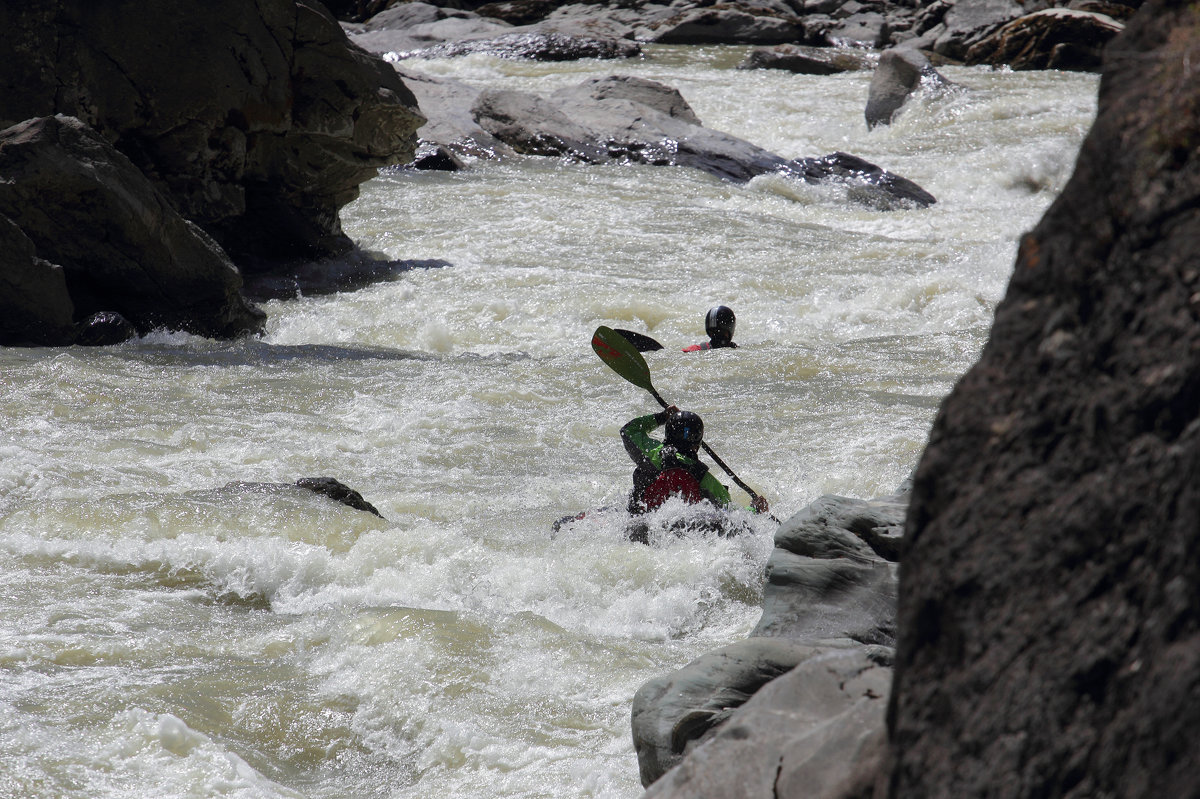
174,622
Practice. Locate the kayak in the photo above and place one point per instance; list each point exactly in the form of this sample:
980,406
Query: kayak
674,518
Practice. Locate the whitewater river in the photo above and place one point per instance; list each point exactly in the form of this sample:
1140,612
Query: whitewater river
172,625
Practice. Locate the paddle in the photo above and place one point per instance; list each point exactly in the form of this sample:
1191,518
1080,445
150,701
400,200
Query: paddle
640,341
624,359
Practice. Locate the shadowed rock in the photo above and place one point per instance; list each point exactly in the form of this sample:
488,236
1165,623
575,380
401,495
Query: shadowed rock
1052,39
259,120
808,60
119,242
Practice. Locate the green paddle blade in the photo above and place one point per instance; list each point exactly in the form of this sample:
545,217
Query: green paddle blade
622,357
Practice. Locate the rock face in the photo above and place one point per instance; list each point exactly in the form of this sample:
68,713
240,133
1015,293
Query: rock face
797,709
91,234
259,120
1049,619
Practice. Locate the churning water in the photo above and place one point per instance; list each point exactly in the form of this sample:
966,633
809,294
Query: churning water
171,624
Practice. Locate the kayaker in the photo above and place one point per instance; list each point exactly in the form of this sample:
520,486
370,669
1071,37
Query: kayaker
672,467
719,323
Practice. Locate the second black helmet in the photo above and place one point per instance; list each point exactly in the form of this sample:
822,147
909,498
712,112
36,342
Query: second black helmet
720,322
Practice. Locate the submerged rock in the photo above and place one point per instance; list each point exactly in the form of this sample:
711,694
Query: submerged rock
339,492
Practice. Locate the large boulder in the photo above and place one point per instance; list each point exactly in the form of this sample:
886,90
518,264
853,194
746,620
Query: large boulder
624,119
1049,620
1057,38
116,242
816,732
259,120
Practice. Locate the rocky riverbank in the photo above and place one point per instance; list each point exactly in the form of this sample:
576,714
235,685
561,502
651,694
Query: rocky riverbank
233,162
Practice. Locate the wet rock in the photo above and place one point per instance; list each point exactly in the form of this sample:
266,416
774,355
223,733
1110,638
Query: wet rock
339,492
1049,625
535,46
258,120
447,105
1052,39
104,329
620,119
119,241
436,158
900,73
729,25
867,183
808,60
348,272
406,28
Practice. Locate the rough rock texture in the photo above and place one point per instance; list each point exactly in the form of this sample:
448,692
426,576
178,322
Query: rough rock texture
1056,38
828,613
258,119
119,242
1049,613
35,307
817,732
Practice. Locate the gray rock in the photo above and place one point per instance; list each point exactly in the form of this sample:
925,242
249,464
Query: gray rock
901,72
831,598
672,713
447,104
816,732
728,25
120,242
968,21
535,46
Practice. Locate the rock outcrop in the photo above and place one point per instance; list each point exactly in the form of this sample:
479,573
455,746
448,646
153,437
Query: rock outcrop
91,234
259,120
805,694
1025,34
1049,620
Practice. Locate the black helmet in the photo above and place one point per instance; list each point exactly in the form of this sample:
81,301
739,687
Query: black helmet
685,431
720,323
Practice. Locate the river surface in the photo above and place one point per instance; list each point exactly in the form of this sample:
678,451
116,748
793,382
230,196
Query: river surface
172,624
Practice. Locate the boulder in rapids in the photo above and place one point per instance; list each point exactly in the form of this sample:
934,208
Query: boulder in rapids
899,73
829,610
805,60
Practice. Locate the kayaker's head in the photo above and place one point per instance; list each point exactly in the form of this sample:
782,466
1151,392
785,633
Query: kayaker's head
685,431
719,323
